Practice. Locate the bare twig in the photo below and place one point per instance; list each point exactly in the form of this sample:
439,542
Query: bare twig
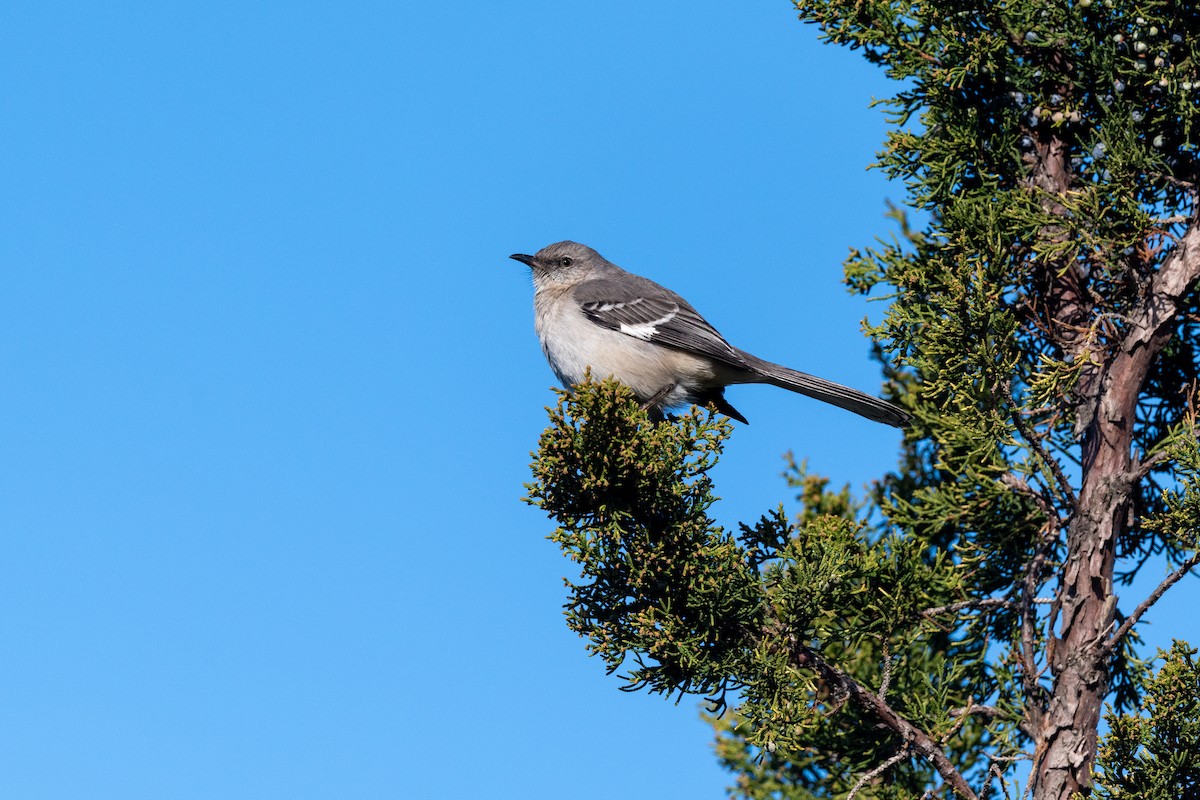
1030,674
994,771
1028,791
1144,606
887,673
1145,466
1022,487
988,602
976,710
1171,179
875,772
1066,493
956,726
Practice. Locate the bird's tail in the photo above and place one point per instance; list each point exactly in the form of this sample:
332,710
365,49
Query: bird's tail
860,403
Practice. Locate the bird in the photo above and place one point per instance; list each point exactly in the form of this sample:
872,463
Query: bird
590,314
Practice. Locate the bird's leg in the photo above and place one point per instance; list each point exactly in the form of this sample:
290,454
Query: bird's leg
655,399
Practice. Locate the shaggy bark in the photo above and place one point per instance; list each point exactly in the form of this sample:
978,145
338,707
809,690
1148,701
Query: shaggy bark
1079,653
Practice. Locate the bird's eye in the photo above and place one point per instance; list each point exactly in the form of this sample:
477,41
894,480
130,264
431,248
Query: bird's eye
566,261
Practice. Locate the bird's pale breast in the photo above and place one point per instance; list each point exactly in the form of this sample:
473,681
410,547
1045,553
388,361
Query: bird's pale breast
579,343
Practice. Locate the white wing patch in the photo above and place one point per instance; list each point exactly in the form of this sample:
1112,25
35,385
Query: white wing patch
647,330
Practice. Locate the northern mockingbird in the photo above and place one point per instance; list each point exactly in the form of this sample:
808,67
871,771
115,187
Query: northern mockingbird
589,312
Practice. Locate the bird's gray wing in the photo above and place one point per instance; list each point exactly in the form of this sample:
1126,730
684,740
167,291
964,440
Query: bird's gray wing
640,308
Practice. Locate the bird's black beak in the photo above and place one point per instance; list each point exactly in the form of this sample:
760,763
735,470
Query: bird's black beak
524,259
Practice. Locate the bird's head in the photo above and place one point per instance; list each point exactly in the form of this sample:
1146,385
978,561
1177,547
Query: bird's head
563,263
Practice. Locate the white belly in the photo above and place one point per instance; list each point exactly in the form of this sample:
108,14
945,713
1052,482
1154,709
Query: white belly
579,344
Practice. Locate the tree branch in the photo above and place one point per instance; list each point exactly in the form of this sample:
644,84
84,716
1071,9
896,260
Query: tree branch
1066,493
1145,466
1144,606
994,771
989,602
887,671
976,710
1177,275
1029,589
1022,487
913,736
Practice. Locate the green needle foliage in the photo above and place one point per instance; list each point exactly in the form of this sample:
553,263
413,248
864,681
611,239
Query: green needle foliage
1157,756
684,606
661,584
1042,331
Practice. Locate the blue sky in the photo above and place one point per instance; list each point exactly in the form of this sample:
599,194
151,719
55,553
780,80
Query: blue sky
271,382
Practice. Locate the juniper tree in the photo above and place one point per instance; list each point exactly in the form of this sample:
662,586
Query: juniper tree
1042,331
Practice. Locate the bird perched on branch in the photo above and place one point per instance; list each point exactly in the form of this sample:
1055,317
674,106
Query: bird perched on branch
589,312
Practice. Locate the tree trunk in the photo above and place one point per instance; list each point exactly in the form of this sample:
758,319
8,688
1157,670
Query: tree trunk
1079,656
1078,660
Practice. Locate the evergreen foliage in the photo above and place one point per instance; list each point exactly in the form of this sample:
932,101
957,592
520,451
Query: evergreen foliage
1157,756
1042,331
